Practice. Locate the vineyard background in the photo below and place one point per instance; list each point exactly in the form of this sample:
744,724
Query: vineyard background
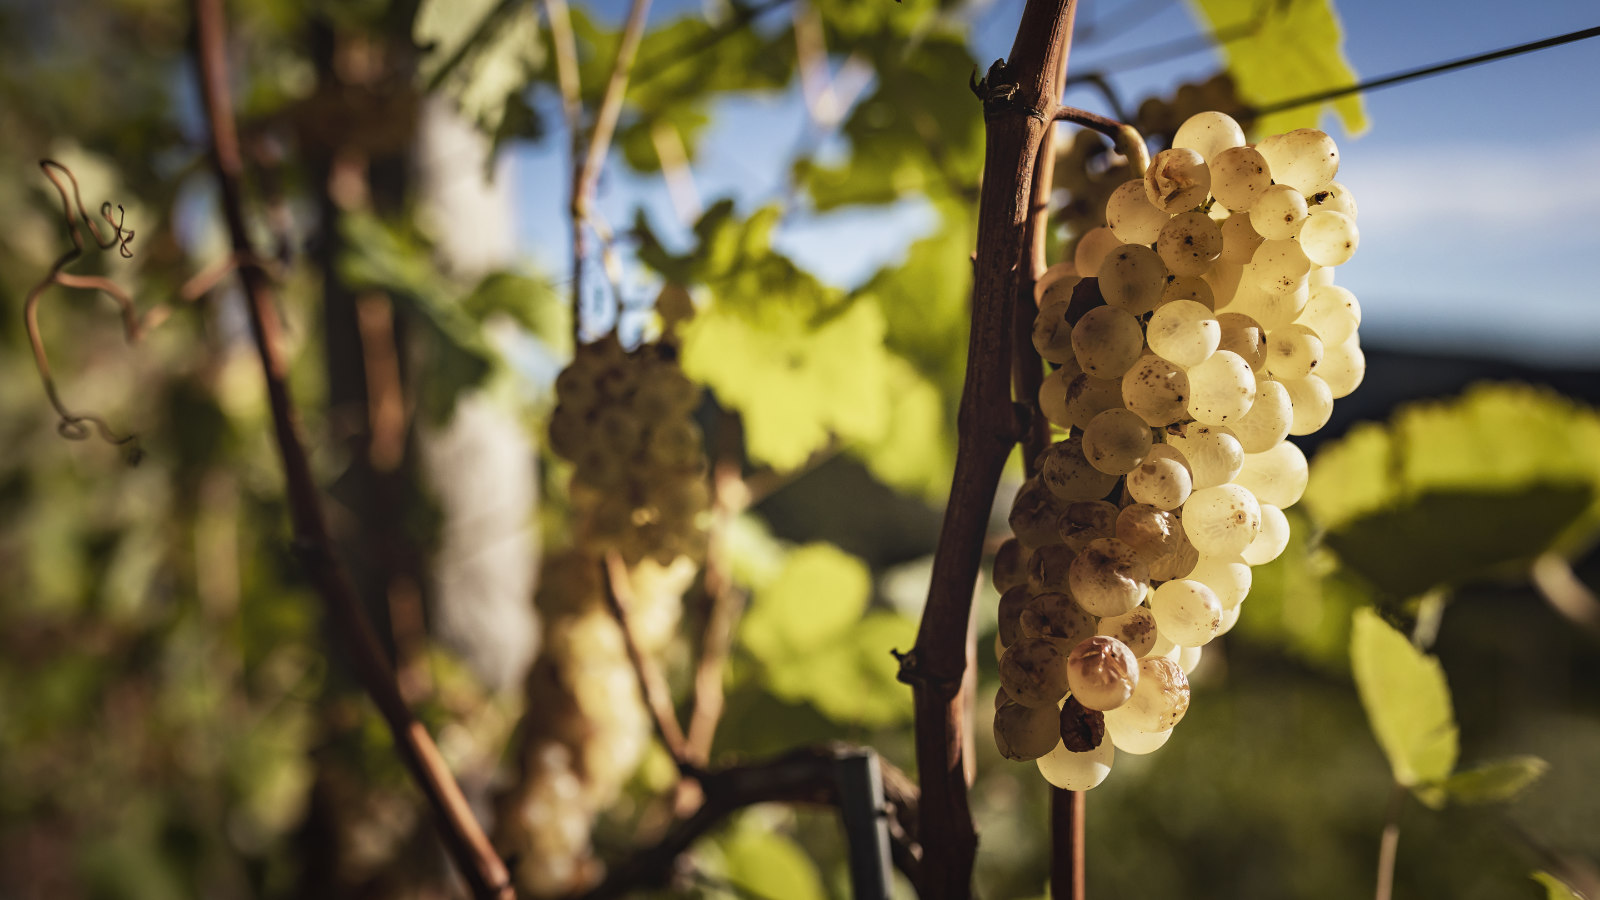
175,722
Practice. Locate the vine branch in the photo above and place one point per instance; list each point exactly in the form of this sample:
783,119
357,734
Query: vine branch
652,686
1020,99
482,869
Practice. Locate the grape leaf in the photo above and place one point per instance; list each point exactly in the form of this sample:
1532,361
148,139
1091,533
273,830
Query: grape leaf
1303,600
1493,782
483,52
820,592
1407,701
1294,49
1469,487
915,453
530,302
1555,888
767,863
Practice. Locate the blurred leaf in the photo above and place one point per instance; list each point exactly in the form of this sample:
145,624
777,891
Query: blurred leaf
1303,600
854,678
481,53
1296,49
926,299
767,863
819,593
392,259
916,450
1452,491
1493,782
1407,701
1555,888
530,302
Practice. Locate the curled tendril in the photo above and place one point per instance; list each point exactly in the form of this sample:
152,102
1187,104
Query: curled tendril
71,425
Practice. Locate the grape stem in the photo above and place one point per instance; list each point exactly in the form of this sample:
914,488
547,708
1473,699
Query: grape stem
1020,99
652,686
1128,140
485,873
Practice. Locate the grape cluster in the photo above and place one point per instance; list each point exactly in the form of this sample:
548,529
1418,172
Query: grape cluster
623,418
1193,333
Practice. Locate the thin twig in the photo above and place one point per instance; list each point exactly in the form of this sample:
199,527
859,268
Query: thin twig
652,686
1129,141
727,603
1020,100
1389,844
605,119
482,869
1554,579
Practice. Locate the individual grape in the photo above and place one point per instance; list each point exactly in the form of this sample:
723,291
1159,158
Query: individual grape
1128,739
665,394
1278,213
1238,333
1136,628
1209,133
1239,239
1088,396
1228,577
1221,389
620,430
1056,615
1332,312
1131,216
1177,180
1092,250
1107,341
677,442
1213,454
1055,285
1160,698
1033,515
1162,483
1188,287
1025,733
1230,618
569,431
1320,275
1052,333
1108,578
1277,476
1034,671
1343,367
1221,521
1270,309
1053,395
1156,535
576,389
1329,238
1132,278
1186,611
1189,658
1272,540
1182,332
1081,729
1071,771
1102,672
1278,266
1223,279
1047,568
1012,603
1267,422
1189,243
1293,351
1335,197
1305,159
1067,472
1155,391
1313,404
1115,441
1238,176
1086,521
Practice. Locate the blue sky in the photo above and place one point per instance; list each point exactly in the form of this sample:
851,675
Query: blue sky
1479,190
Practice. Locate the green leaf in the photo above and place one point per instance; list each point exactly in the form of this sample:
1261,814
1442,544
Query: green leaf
768,863
1448,492
915,453
1295,49
1407,701
1493,782
530,302
482,53
1303,600
819,593
1555,888
854,678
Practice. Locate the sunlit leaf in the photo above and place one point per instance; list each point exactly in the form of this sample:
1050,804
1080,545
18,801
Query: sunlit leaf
1555,888
1492,782
1451,491
819,593
767,863
1406,698
485,52
1295,48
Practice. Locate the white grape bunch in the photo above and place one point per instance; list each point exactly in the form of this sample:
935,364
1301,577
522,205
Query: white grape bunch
1210,333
